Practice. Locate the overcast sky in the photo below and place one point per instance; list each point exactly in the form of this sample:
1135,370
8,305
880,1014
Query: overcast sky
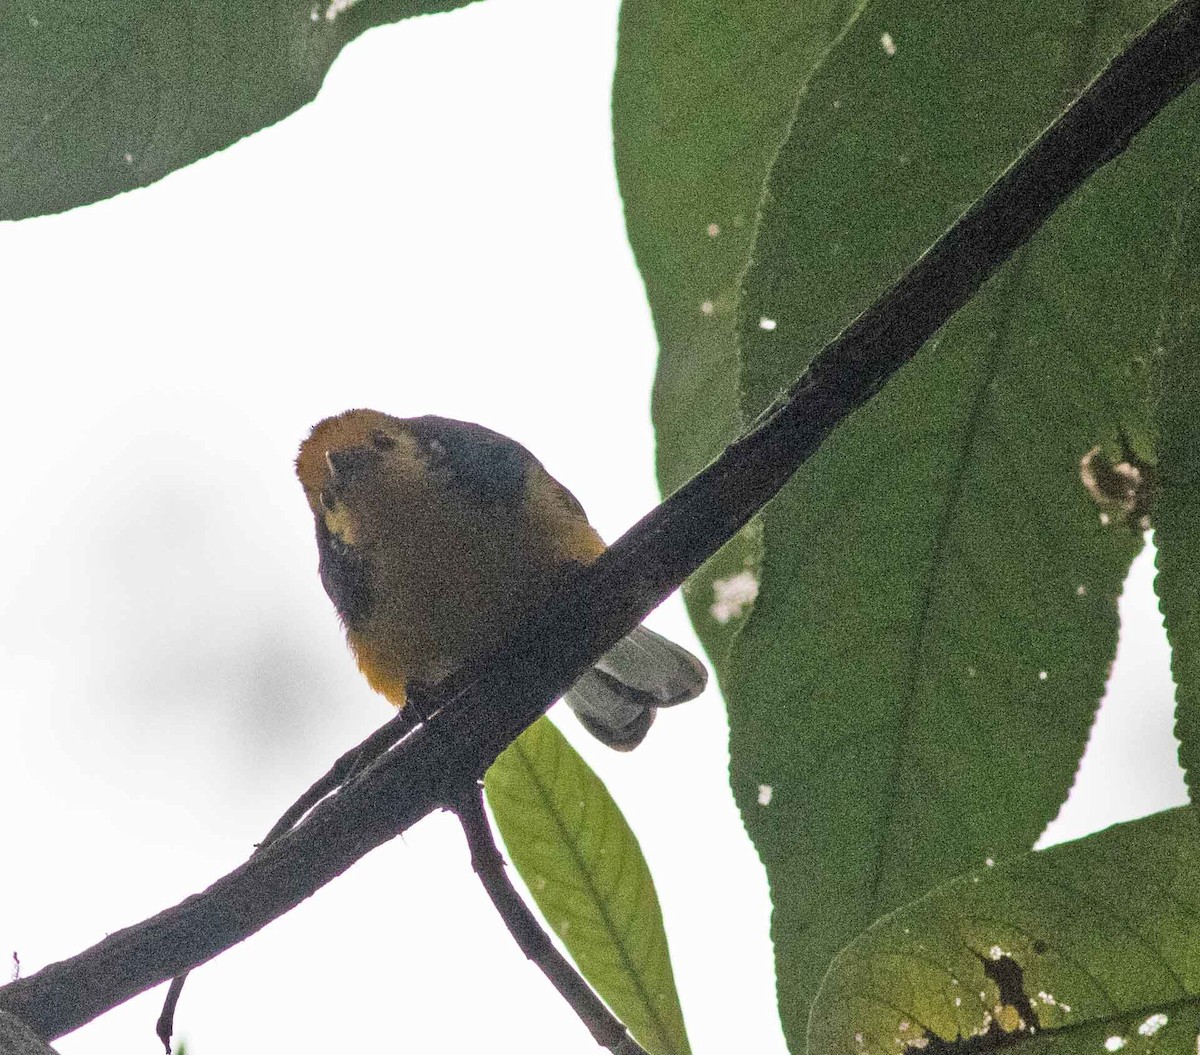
440,232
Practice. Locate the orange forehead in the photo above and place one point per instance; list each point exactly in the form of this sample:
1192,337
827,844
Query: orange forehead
350,429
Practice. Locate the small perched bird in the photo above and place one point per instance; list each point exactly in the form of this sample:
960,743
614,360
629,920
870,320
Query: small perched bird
435,536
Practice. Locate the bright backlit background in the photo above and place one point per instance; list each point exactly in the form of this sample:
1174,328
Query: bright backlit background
440,232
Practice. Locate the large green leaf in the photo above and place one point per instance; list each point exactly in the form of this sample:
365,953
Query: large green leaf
583,865
1089,947
1177,509
938,602
98,98
701,99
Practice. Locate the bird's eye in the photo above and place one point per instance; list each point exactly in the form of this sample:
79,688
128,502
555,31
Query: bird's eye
382,441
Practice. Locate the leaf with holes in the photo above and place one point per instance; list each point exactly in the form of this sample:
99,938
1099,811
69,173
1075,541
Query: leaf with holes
583,865
1090,947
937,608
99,98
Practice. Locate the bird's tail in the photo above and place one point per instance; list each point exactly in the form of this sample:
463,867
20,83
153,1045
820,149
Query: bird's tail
617,698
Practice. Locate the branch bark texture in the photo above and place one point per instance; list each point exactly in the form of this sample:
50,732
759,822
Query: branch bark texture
487,706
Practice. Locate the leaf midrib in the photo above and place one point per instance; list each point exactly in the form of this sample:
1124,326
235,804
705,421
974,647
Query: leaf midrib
569,840
936,578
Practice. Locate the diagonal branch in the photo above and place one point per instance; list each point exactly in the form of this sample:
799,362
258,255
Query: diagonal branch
493,701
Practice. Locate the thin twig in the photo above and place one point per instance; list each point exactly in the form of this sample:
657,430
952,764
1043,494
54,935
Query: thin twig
493,701
165,1026
343,770
604,1027
354,762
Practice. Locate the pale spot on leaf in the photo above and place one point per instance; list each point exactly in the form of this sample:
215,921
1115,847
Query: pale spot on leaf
732,595
1153,1024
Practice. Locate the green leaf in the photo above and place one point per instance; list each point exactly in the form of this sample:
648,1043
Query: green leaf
1176,513
98,98
583,865
702,96
937,610
1086,948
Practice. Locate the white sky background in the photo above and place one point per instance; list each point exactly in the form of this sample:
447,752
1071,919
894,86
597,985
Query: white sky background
439,232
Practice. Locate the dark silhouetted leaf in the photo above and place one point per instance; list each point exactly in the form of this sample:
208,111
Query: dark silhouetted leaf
702,96
99,98
1176,511
937,612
